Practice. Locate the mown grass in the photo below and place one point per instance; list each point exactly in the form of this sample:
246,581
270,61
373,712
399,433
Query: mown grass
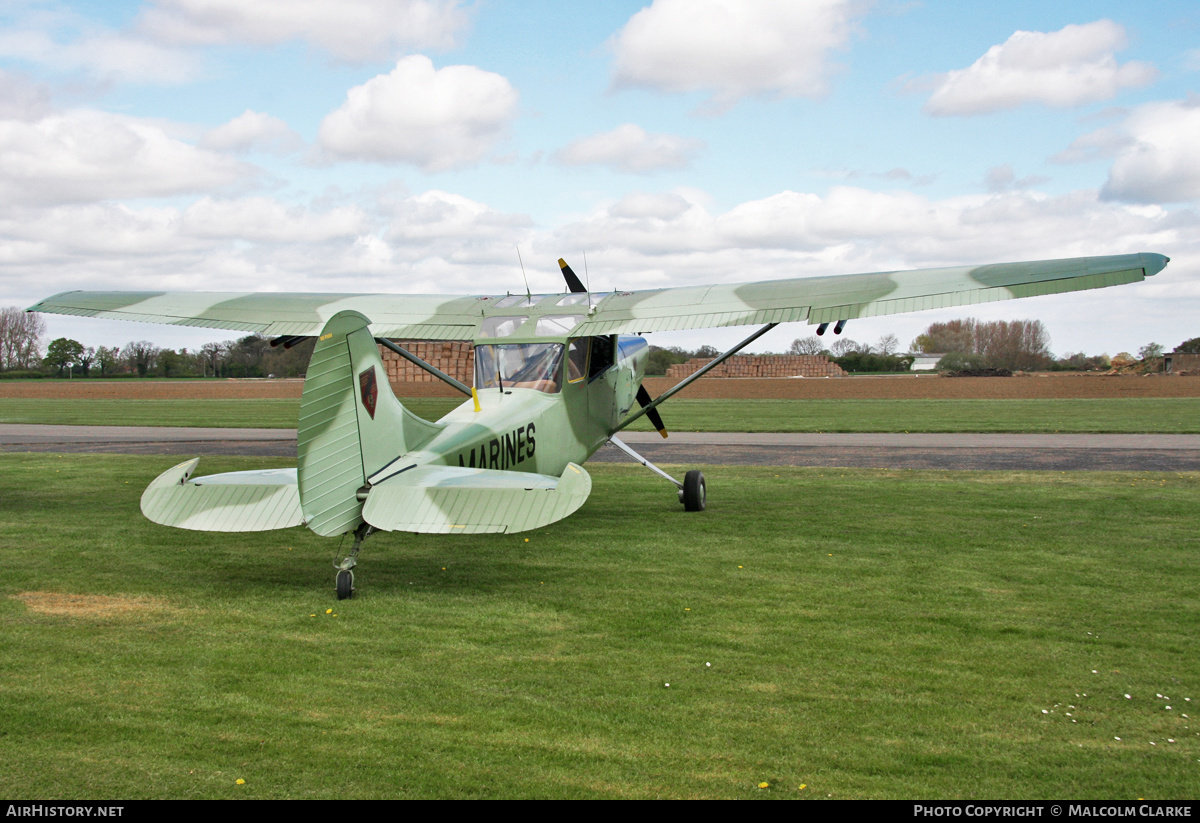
1123,415
237,413
870,634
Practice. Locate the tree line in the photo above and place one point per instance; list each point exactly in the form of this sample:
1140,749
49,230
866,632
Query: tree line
1015,345
21,354
968,344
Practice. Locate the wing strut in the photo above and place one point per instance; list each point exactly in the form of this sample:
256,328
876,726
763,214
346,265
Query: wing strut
416,361
688,381
620,444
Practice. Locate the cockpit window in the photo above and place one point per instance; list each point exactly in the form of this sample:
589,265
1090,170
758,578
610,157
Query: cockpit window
501,326
519,366
603,356
575,298
577,359
518,300
557,325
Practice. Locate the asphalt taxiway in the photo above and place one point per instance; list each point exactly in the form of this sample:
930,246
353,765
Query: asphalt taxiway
1056,452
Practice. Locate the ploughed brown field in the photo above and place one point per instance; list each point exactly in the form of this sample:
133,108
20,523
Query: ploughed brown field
903,387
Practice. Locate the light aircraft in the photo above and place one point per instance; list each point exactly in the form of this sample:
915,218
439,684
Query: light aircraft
556,377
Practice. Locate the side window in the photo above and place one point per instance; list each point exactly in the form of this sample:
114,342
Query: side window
603,355
577,359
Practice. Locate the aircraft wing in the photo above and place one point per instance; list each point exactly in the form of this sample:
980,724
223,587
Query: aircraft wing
408,316
440,317
849,296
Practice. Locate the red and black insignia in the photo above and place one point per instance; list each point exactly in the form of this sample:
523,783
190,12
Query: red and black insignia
369,390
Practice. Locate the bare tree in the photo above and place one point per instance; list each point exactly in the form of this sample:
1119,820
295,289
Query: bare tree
1003,344
212,355
107,359
141,355
1014,344
888,344
86,358
807,345
845,345
20,338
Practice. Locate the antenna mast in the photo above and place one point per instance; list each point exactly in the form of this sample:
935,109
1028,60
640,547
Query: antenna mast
528,294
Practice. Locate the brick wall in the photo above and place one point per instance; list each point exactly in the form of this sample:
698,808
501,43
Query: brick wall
762,365
1183,362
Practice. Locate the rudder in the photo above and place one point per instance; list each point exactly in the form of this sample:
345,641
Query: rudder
351,424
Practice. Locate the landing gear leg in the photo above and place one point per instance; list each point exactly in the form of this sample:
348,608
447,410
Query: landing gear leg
345,574
692,493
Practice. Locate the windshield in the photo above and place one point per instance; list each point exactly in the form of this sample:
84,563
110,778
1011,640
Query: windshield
519,366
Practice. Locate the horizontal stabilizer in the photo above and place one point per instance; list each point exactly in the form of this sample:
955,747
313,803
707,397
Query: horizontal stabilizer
454,500
252,501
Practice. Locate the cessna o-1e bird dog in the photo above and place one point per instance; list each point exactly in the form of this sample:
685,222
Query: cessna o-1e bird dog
556,377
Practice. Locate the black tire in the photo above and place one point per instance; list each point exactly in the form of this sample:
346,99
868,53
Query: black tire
694,494
345,584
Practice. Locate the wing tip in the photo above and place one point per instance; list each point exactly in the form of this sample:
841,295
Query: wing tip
1154,263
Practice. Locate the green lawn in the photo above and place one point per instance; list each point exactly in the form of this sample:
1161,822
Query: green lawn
870,634
1180,415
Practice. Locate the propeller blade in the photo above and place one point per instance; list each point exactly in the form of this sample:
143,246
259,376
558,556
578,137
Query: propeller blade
643,397
572,280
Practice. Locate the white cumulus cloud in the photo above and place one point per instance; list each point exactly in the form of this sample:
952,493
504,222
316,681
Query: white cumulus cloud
1156,159
437,119
86,155
102,53
351,30
21,98
1069,67
628,148
733,48
263,220
253,130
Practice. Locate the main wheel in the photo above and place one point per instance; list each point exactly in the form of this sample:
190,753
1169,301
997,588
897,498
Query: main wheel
694,494
345,584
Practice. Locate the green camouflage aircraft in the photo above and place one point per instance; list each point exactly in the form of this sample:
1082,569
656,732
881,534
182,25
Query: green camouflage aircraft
556,377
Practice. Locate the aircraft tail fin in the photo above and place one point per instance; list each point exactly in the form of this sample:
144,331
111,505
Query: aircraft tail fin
351,425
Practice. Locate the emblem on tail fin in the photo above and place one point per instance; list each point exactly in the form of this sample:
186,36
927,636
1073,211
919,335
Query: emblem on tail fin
368,390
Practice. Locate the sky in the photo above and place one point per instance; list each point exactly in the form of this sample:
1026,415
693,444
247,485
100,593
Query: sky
414,146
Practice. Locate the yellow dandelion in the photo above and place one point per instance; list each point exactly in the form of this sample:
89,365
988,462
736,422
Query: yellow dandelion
329,611
803,786
241,782
764,785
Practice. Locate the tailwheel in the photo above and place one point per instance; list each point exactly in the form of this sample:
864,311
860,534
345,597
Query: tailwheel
345,577
345,584
693,494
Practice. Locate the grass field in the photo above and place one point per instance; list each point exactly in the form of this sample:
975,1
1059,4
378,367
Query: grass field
870,634
1118,415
